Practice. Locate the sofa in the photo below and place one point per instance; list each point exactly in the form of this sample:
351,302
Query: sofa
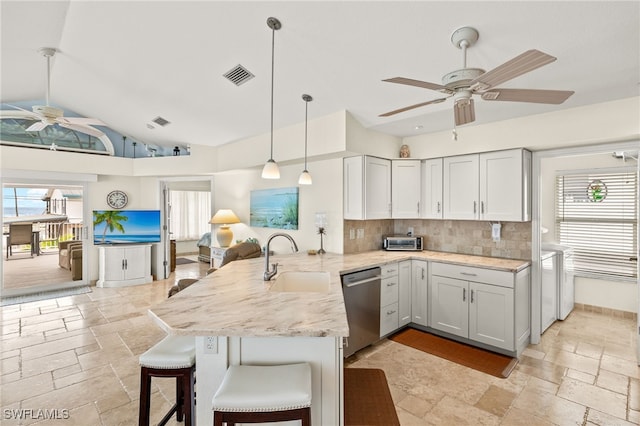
204,248
70,257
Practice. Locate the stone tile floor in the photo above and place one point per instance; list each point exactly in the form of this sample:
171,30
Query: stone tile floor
76,358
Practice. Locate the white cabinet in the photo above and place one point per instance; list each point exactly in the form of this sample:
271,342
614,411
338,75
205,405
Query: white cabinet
389,296
431,175
483,305
404,292
460,190
419,293
405,189
505,182
488,186
367,188
124,265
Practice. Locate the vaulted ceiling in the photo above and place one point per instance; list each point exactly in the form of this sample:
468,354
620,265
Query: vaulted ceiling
128,62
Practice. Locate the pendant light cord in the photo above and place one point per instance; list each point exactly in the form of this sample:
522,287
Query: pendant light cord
306,110
273,47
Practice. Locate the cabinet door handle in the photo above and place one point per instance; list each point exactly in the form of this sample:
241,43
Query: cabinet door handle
418,207
471,300
474,207
464,294
482,207
438,210
391,312
123,264
390,284
468,274
422,273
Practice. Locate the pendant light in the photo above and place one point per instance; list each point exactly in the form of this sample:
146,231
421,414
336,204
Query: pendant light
271,170
305,176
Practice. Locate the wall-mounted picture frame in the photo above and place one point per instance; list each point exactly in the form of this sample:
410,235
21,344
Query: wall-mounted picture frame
274,208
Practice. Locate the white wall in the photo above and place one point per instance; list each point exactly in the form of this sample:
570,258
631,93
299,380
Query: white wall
232,190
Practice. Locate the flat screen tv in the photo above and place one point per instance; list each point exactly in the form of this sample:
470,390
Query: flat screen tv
126,226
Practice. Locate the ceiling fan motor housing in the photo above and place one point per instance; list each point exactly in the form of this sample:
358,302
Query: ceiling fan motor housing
461,78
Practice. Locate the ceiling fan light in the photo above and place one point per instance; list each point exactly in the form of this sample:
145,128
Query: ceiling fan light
271,170
305,178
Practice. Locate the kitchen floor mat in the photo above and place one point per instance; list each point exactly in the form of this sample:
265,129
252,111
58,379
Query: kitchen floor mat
497,365
184,261
367,399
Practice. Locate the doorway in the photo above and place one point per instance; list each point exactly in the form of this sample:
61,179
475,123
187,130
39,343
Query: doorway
51,216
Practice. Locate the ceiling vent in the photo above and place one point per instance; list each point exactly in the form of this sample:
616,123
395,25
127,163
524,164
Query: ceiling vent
238,75
160,121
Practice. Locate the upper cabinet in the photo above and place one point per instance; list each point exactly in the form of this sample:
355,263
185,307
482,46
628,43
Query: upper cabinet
488,186
431,205
367,188
405,189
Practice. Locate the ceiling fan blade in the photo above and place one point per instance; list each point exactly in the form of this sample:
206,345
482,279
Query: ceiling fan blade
521,64
419,83
37,126
83,121
82,129
527,95
396,111
464,112
22,113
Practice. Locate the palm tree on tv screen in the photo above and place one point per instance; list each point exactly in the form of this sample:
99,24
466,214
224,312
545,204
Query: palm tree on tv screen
111,219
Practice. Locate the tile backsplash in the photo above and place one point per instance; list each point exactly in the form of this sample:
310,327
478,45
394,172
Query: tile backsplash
452,236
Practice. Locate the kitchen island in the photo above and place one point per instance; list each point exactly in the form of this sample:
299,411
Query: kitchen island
237,320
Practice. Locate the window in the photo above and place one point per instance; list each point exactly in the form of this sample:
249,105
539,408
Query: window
596,214
190,214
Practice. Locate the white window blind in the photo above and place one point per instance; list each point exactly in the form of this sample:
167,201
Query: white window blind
596,214
190,214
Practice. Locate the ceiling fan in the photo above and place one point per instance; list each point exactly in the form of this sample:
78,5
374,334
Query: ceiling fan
47,115
463,83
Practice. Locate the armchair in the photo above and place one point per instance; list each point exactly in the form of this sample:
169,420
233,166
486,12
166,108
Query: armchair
69,250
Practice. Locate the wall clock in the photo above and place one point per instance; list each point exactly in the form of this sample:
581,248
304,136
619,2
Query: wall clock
117,199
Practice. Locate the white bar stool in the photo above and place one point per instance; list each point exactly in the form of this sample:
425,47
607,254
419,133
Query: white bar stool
174,356
263,394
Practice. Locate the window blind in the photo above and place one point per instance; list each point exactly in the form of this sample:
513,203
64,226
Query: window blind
596,214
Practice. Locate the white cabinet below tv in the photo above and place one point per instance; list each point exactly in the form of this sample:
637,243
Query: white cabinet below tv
124,265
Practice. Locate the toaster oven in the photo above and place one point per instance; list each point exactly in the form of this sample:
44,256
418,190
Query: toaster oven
398,243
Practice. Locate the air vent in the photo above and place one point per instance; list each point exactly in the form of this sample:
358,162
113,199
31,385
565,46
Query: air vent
160,121
238,75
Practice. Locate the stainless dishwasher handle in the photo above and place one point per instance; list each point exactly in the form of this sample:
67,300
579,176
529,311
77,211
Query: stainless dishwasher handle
368,280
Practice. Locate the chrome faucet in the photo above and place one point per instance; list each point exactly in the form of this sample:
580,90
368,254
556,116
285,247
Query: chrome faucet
268,274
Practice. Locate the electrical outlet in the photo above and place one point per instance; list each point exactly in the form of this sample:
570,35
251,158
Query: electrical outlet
352,234
211,345
410,231
361,233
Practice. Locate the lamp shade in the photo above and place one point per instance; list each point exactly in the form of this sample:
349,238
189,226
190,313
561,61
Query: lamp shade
224,216
305,178
271,170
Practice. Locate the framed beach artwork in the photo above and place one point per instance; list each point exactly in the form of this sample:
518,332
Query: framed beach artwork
274,208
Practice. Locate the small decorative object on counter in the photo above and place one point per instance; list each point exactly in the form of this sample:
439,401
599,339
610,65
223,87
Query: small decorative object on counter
176,150
321,223
405,152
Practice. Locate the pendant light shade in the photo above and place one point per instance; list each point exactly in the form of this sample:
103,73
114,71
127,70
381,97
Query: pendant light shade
271,170
305,176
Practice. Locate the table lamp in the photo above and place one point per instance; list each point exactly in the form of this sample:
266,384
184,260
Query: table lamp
224,217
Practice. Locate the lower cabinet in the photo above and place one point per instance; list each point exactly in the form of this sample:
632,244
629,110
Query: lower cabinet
124,265
404,292
419,293
389,297
482,305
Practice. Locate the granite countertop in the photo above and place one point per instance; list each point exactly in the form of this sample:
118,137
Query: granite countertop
235,301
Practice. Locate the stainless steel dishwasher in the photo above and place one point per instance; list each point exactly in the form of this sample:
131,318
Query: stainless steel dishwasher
361,292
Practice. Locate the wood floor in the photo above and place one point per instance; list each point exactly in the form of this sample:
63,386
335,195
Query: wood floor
22,271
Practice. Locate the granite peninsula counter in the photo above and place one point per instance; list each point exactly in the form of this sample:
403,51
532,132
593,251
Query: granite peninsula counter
250,324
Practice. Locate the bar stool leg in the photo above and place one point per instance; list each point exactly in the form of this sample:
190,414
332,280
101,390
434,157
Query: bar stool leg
145,397
179,398
188,397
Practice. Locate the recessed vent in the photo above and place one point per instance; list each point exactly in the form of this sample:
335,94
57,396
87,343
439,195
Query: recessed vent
238,75
160,121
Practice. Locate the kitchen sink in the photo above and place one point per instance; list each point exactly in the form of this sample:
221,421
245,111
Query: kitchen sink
302,281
